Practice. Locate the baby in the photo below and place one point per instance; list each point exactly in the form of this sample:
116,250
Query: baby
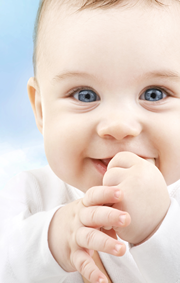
106,98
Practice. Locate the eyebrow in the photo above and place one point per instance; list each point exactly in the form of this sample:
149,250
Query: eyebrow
166,74
70,74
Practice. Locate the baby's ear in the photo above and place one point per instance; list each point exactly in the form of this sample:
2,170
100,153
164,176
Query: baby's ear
36,103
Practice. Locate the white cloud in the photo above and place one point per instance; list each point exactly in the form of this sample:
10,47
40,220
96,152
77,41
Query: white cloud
13,161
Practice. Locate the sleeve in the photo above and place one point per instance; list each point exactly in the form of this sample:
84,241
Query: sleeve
24,251
158,259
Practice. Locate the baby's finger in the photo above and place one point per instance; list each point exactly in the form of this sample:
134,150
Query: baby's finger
98,216
152,161
99,241
114,176
124,160
102,195
87,267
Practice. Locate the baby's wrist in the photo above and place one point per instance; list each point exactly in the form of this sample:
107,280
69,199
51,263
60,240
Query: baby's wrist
151,234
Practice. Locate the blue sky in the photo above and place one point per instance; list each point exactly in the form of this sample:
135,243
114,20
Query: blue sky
21,144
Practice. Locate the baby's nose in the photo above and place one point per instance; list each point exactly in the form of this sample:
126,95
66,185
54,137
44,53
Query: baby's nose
119,127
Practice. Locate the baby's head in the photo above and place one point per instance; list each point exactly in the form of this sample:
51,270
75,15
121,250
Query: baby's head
107,79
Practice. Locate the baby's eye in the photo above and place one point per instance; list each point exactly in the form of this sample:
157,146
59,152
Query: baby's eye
86,96
153,94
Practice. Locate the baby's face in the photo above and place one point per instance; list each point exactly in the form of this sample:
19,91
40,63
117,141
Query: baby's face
110,82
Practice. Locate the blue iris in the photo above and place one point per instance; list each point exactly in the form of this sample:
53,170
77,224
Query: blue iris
87,96
153,94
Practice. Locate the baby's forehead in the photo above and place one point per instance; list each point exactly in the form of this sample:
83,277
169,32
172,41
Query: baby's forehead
52,10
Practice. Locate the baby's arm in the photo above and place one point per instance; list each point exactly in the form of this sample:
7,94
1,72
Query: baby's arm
75,233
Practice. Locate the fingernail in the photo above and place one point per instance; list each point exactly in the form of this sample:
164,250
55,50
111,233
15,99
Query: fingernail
107,227
117,194
122,219
101,280
117,247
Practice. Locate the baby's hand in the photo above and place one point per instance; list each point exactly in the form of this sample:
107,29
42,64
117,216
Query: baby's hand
146,198
74,231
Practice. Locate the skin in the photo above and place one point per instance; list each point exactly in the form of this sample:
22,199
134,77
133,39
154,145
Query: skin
119,143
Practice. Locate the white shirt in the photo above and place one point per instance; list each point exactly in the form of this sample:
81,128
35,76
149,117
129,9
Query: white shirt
27,205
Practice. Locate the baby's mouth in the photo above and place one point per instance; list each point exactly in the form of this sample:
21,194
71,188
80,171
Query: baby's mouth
101,164
106,161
